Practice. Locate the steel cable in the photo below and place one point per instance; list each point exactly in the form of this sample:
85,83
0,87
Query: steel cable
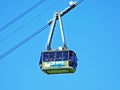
21,15
23,42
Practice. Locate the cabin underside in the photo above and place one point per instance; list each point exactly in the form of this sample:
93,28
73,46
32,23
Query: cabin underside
61,70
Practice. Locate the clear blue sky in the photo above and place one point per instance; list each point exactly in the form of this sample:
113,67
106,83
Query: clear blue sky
92,30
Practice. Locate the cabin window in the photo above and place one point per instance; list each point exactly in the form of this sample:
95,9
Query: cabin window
52,56
65,55
45,56
58,56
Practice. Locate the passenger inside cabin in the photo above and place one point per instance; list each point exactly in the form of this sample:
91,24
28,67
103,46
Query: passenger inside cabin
45,57
51,56
58,56
65,55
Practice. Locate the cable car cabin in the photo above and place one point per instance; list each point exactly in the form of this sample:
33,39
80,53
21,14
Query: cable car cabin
61,60
58,62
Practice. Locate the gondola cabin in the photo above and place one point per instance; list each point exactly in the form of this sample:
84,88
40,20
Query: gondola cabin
58,62
62,60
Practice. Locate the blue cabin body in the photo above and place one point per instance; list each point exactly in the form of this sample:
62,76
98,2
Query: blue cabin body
58,62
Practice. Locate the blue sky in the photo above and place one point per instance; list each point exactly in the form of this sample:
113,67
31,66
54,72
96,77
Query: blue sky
92,30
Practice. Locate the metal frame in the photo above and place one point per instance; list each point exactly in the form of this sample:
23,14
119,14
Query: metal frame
57,16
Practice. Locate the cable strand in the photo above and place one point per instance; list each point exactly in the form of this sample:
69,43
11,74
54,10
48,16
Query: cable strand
21,15
23,42
80,1
28,21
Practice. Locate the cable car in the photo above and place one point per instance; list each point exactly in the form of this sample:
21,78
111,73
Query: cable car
58,61
61,60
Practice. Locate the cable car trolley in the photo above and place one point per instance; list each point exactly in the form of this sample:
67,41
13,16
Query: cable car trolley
61,60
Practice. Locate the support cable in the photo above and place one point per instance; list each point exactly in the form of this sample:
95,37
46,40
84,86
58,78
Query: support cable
4,38
23,42
21,15
80,1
